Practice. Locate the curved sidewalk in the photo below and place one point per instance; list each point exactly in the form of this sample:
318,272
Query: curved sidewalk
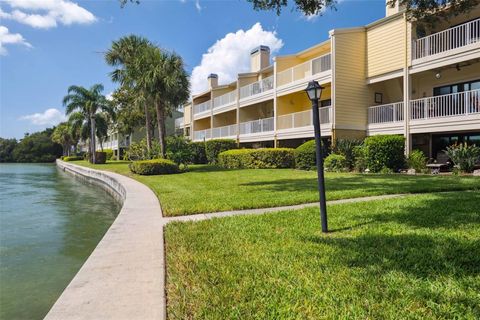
124,277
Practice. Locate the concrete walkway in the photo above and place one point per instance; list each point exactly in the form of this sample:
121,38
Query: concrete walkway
205,216
124,277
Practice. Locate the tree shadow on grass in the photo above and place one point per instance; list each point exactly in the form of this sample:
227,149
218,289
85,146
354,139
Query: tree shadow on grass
371,183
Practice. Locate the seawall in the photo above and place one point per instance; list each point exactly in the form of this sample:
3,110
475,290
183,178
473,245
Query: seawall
124,277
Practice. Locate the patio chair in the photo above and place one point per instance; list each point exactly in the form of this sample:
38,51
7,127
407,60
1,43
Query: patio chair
442,162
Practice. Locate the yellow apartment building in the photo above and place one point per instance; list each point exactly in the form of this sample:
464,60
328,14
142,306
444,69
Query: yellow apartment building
392,76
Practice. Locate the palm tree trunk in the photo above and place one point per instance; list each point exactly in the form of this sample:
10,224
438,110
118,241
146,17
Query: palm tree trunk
94,149
147,127
161,127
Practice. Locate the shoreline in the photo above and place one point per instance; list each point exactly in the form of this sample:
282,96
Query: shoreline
124,277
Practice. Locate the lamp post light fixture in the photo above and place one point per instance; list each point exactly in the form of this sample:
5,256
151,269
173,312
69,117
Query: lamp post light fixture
314,92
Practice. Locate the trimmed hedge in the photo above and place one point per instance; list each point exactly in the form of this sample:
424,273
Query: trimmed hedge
154,167
109,153
198,151
72,158
384,151
268,158
214,147
336,163
305,157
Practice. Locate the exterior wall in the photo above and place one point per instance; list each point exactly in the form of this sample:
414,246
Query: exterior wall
257,111
423,83
202,124
225,119
298,101
350,99
187,115
392,91
386,47
349,134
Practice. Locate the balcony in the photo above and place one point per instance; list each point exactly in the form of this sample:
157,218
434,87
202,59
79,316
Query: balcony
450,105
450,112
386,113
449,41
201,135
256,88
303,119
305,70
225,100
225,131
257,126
202,107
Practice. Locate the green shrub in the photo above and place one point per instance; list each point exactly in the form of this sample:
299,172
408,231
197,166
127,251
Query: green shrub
154,167
384,151
178,150
109,153
335,162
72,158
198,152
346,147
139,151
305,157
464,156
214,147
268,158
417,160
360,161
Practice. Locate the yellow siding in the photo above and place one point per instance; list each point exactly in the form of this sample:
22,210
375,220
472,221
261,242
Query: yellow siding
386,47
187,115
351,94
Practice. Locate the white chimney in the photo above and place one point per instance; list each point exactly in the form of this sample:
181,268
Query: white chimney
396,8
259,58
212,80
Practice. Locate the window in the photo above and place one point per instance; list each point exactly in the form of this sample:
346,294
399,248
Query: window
326,103
458,87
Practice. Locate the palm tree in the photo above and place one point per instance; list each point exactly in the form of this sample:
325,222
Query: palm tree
83,105
62,134
124,55
167,84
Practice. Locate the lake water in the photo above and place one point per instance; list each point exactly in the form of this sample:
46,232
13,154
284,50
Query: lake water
50,222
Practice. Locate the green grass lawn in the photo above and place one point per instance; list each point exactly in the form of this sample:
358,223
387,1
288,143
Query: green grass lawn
416,257
209,189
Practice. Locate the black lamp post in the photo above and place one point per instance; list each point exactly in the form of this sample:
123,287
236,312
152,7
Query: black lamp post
314,92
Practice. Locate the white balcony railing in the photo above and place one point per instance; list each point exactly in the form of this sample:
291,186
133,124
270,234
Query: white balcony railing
202,107
304,70
256,87
226,131
446,40
455,104
226,99
303,119
256,126
392,112
202,134
179,123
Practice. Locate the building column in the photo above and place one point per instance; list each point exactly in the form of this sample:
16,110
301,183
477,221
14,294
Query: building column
407,83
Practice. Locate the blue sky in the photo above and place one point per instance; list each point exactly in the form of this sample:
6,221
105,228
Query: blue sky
51,54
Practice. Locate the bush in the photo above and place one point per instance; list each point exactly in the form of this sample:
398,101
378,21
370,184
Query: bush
346,148
178,150
109,153
417,160
360,161
384,151
464,156
305,157
336,162
214,147
198,152
139,151
154,167
72,158
268,158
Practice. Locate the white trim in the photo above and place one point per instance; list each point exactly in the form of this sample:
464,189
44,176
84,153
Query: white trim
386,76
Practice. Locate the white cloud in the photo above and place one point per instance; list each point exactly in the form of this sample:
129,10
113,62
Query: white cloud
49,117
197,5
231,55
10,38
45,14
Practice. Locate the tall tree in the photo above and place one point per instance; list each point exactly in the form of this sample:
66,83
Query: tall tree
62,134
124,55
85,104
167,85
